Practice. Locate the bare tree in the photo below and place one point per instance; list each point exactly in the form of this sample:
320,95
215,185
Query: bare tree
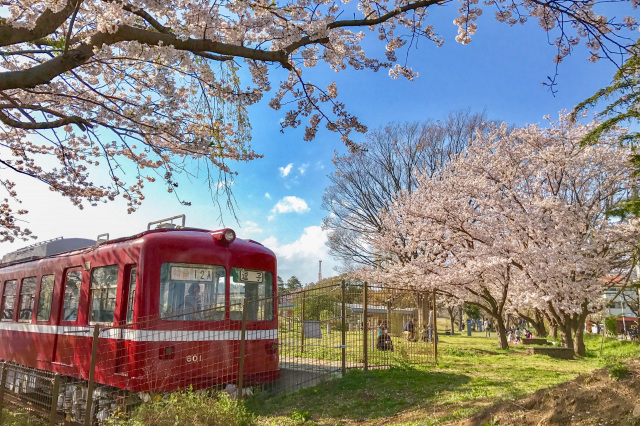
366,181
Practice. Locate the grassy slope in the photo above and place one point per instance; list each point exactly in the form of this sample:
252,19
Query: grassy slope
471,374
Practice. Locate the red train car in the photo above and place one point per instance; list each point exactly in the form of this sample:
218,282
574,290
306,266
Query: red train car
169,304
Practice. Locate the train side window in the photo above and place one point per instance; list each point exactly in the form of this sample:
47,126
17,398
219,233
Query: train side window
46,295
104,286
72,295
132,294
27,299
8,299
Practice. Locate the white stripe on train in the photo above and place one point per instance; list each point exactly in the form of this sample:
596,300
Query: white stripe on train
142,335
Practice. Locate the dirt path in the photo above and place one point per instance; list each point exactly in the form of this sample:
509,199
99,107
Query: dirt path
590,399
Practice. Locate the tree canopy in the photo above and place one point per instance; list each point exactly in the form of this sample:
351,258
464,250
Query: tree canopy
143,88
519,220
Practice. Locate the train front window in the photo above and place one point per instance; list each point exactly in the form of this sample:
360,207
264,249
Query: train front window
44,301
27,298
72,295
8,299
104,285
192,292
257,287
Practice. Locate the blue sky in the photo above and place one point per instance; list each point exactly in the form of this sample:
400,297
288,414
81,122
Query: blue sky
279,197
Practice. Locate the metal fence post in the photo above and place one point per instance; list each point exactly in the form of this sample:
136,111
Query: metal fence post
92,372
435,329
389,308
54,399
304,297
3,383
243,332
344,330
365,334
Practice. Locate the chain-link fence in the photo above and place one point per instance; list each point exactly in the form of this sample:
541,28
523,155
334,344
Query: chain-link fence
316,334
345,326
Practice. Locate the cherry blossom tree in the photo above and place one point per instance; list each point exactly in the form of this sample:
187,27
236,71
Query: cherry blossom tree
518,221
142,89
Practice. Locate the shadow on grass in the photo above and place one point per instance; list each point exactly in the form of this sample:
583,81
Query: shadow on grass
362,394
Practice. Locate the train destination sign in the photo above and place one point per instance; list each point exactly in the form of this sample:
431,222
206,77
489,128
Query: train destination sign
248,276
183,273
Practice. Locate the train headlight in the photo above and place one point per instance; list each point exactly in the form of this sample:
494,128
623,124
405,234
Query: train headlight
229,236
225,236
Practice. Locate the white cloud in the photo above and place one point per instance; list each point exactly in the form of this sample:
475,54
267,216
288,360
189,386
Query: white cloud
284,171
250,228
301,257
267,195
303,168
290,204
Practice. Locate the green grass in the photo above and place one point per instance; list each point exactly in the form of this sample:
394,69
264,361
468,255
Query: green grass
472,372
189,408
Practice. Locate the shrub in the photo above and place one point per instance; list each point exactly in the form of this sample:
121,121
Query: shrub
190,408
300,416
611,325
19,418
618,371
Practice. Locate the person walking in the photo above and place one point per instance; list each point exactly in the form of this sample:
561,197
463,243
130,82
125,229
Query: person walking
487,328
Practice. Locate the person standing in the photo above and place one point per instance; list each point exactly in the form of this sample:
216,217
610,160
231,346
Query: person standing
487,328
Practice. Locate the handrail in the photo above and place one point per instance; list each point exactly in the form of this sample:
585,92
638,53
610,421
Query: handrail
98,240
166,220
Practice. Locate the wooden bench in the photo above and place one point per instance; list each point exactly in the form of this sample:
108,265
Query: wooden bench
535,341
561,353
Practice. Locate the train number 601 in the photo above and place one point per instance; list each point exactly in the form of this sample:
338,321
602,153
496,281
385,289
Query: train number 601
194,358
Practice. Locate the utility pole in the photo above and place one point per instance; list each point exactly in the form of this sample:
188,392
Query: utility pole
319,270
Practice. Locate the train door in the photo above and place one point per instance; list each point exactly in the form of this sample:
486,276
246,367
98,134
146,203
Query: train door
67,317
127,311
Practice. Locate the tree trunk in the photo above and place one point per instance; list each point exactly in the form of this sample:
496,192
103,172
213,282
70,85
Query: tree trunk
422,300
538,325
577,325
501,330
452,317
566,327
537,321
554,329
578,342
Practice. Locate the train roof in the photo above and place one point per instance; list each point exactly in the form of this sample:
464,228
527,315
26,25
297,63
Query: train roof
67,246
45,249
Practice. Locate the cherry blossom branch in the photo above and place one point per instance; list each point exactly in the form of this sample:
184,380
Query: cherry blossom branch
79,121
70,30
46,24
43,73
